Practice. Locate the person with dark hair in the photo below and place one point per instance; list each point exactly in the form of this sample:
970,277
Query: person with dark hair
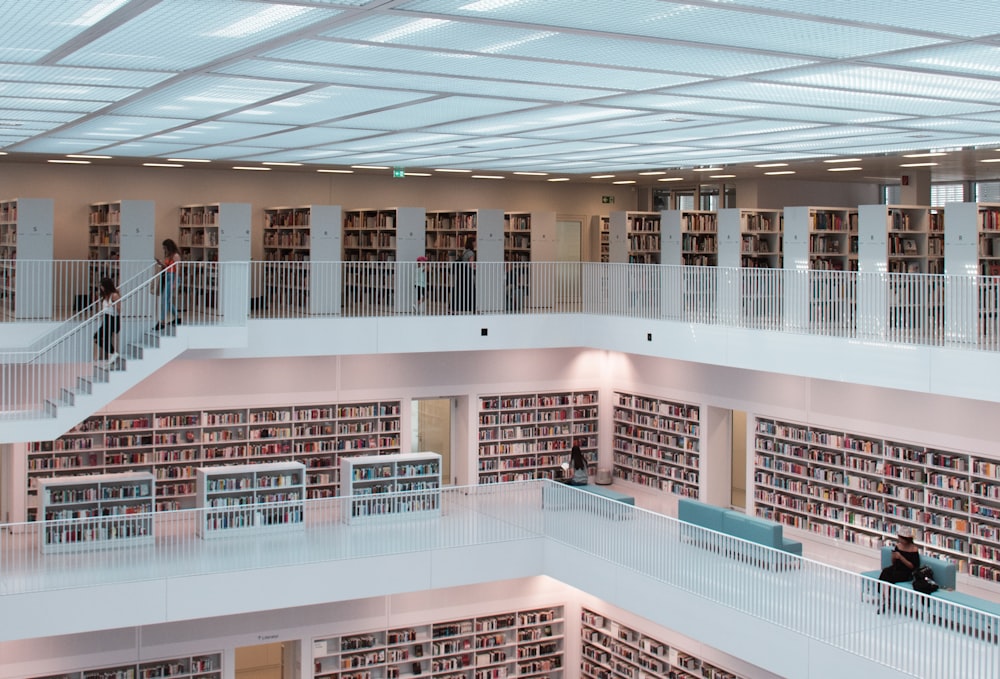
110,323
578,463
168,281
905,562
464,290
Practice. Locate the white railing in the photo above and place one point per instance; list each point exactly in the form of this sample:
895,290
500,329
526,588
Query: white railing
919,309
64,360
899,628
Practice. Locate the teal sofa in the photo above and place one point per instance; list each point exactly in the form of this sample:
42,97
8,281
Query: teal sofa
982,617
738,525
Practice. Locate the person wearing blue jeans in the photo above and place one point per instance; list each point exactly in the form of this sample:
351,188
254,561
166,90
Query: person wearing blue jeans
168,281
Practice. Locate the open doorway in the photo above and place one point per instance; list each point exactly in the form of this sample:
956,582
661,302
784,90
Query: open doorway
738,491
278,660
431,430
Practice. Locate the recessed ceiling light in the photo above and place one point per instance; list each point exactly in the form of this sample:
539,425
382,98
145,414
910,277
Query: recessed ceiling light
772,165
721,176
651,174
781,172
990,160
842,160
370,167
917,164
603,176
566,179
670,179
842,169
679,120
455,171
162,165
336,171
533,174
189,160
931,154
70,162
416,174
81,155
3,153
268,162
624,181
706,169
250,167
488,176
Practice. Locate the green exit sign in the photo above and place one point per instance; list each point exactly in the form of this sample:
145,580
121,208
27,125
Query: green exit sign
607,199
398,172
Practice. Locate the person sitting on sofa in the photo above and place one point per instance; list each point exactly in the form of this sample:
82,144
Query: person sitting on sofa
905,562
578,463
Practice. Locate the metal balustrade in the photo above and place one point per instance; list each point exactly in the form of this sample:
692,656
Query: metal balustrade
896,627
915,309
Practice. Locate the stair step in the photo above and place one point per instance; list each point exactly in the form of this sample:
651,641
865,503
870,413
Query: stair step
84,385
133,351
101,374
67,397
51,409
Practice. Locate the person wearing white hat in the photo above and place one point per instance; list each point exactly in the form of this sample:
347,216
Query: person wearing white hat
905,562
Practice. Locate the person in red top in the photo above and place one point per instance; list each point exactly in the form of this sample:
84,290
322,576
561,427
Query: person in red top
168,281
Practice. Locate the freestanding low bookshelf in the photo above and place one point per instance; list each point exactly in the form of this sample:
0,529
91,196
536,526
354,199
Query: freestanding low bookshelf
405,485
254,497
97,511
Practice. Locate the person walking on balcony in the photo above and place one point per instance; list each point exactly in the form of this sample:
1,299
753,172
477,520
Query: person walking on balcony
464,290
168,283
109,324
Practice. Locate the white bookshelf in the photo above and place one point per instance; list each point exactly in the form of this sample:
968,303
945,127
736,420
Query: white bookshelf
121,243
609,649
26,234
525,436
300,241
634,237
384,235
657,443
200,666
972,248
862,489
97,511
519,643
902,239
207,235
404,485
256,497
173,444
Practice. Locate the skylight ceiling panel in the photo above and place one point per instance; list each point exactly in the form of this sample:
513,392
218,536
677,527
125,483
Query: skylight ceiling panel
77,106
537,118
967,18
683,106
29,115
105,95
716,25
819,97
224,151
474,66
207,96
146,149
328,103
216,132
625,126
902,141
362,77
111,128
574,47
100,77
58,145
960,125
891,81
467,143
969,59
182,34
429,113
310,136
33,29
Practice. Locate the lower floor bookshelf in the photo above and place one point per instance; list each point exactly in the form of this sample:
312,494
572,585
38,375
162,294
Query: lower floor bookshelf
202,666
611,650
520,643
